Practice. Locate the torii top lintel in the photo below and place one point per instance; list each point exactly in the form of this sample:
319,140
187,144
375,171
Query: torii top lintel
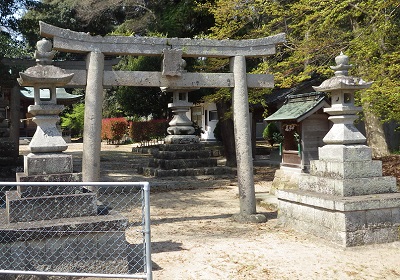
71,41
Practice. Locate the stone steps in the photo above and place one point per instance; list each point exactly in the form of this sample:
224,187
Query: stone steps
216,170
175,160
182,163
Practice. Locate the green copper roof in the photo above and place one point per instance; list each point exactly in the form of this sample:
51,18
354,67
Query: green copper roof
300,106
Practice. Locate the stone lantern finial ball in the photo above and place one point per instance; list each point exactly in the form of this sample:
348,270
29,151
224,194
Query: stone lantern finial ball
44,46
342,59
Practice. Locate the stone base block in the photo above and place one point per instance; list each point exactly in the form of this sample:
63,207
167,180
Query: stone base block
347,169
347,221
348,187
20,209
345,153
181,147
286,178
212,171
43,164
172,155
29,191
182,163
87,244
181,139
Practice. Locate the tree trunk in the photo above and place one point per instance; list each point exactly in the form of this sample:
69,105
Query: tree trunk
375,134
227,133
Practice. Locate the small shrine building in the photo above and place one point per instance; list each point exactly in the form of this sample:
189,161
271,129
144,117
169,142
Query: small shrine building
303,125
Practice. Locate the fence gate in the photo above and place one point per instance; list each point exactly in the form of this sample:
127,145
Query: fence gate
75,229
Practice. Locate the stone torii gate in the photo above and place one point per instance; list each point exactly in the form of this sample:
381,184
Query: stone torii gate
95,78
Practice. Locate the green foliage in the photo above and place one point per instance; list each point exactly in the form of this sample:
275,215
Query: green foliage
71,14
74,120
277,137
198,130
269,132
179,18
217,132
8,10
317,31
113,130
11,48
142,101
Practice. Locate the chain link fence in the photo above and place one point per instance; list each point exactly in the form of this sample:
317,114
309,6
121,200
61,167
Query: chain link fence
75,229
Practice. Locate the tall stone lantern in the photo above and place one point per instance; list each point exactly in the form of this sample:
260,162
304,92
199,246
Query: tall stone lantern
47,144
345,198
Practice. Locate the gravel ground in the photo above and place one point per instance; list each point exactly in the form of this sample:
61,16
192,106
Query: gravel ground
194,237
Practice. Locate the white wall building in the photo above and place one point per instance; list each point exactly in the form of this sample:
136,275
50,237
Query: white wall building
205,115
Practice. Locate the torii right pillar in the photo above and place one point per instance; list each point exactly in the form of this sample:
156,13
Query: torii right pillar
244,158
345,198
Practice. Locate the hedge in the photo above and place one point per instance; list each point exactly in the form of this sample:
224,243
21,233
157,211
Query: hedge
114,129
142,131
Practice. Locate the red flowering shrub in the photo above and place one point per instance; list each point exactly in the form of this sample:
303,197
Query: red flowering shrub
114,129
148,130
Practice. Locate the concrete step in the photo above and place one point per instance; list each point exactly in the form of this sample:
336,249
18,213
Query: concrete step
182,163
267,200
216,170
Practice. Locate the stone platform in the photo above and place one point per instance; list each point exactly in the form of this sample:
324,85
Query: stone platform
183,160
344,199
347,221
60,245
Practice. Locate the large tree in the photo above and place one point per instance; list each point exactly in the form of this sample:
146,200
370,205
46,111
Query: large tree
10,11
157,18
317,31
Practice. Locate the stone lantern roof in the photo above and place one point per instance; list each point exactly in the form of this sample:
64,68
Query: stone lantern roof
43,74
341,80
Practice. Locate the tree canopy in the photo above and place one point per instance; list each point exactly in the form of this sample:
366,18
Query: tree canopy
317,31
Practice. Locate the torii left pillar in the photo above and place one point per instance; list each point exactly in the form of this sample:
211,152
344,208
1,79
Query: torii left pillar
93,116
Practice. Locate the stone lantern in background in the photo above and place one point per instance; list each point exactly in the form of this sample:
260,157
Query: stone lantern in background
180,130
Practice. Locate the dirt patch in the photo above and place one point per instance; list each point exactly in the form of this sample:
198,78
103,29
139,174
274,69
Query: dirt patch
194,238
391,167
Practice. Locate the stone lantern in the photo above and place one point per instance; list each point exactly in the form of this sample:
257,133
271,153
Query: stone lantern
180,130
46,162
343,111
47,137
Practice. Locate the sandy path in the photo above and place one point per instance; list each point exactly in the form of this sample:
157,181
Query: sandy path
194,238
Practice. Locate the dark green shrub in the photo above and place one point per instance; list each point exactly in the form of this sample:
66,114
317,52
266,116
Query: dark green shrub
74,120
269,131
217,132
